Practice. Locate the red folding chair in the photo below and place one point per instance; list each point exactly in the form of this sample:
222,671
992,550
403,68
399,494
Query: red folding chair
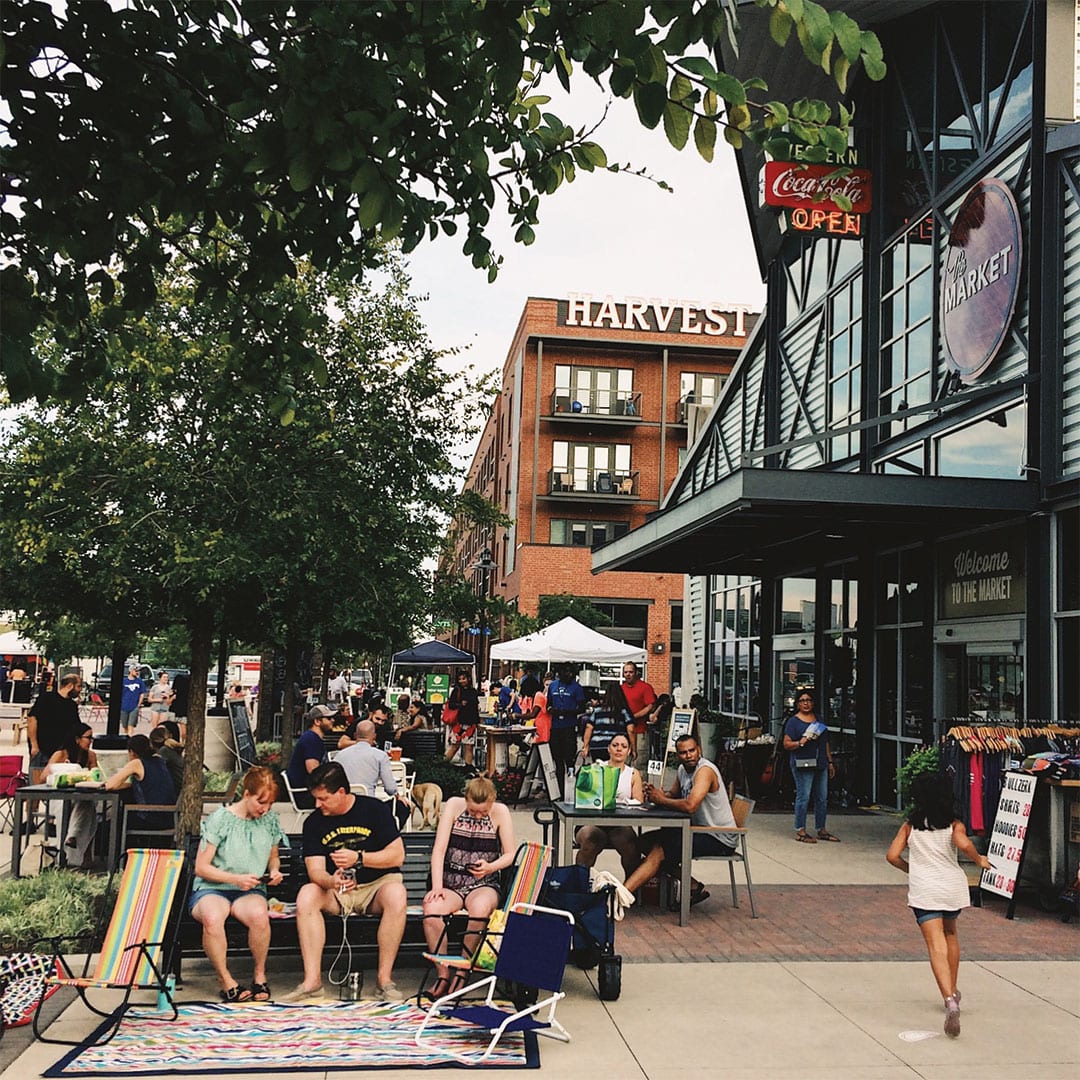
11,778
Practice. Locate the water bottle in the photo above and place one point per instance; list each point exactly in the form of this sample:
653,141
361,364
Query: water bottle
352,989
163,998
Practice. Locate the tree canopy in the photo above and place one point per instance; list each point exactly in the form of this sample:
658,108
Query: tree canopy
274,134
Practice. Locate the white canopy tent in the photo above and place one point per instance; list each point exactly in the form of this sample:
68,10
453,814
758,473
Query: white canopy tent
567,640
13,644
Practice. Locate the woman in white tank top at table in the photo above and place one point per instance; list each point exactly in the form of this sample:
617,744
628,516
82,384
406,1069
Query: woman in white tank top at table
592,839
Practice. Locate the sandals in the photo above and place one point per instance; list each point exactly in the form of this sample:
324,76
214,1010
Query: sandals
824,834
446,985
235,995
260,991
805,838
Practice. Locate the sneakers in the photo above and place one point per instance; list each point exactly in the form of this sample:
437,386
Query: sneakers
952,1016
389,992
303,996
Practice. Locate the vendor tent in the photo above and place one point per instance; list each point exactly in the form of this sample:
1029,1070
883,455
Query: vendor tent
13,644
567,640
430,653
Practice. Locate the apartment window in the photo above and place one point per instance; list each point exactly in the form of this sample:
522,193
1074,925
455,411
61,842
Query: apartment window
591,466
603,390
586,533
696,388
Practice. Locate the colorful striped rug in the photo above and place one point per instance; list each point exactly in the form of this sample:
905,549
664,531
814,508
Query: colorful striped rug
257,1038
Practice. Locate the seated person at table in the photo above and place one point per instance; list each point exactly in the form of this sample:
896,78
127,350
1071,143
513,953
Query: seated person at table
592,839
474,841
364,763
309,753
610,718
239,849
169,750
83,823
147,777
698,791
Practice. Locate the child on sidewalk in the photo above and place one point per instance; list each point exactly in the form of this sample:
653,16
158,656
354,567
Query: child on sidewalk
937,886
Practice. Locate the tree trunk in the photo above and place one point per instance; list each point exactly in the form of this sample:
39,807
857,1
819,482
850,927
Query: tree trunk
116,687
223,670
190,803
265,730
292,657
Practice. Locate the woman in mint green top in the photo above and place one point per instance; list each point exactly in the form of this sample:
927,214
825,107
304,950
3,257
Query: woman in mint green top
239,851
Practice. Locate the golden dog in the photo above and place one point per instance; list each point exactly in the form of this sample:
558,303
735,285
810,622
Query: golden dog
427,800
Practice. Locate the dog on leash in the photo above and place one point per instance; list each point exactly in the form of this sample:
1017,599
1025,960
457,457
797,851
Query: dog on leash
427,800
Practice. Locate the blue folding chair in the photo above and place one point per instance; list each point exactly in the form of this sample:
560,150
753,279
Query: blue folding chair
535,945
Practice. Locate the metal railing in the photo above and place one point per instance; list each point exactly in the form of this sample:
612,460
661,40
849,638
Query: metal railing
593,482
624,404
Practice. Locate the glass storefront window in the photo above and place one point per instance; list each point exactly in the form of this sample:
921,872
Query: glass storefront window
887,684
1069,560
797,605
992,446
735,686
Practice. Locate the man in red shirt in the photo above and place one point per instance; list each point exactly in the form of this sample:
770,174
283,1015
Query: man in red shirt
640,699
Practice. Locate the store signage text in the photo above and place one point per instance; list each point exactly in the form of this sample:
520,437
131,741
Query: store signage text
793,184
983,575
662,317
833,222
1009,833
980,280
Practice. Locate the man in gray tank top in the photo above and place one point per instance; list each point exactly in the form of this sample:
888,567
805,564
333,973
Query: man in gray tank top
698,791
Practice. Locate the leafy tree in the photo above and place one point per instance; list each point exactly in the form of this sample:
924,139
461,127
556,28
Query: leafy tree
172,483
553,608
317,132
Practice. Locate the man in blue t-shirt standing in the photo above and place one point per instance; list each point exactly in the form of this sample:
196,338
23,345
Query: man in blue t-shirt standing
565,702
131,699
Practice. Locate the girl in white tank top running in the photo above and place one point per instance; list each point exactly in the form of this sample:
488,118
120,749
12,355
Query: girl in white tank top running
937,886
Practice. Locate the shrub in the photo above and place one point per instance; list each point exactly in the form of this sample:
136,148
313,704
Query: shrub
925,759
56,903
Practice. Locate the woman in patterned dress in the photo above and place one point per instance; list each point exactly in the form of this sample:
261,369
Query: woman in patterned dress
474,842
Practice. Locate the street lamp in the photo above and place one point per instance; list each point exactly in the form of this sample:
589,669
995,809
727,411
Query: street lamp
485,564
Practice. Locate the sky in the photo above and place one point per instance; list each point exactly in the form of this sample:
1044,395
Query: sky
603,234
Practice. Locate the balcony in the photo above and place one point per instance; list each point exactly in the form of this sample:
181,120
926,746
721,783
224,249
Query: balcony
612,407
595,484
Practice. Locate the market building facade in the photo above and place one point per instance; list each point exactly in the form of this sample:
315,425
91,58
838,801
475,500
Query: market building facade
884,503
588,430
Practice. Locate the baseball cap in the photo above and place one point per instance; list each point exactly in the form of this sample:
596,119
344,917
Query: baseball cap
320,711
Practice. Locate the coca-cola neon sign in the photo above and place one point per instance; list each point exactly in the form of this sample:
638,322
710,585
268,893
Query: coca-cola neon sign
794,184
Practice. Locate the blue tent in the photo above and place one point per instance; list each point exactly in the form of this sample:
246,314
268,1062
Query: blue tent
432,652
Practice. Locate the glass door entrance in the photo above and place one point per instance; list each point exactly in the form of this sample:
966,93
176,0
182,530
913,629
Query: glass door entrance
983,680
794,671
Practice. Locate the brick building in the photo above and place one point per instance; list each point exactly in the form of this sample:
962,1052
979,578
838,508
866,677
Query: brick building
585,436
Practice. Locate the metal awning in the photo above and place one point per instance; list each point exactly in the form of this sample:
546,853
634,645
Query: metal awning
757,521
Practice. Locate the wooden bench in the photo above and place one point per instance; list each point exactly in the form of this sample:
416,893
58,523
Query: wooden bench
361,929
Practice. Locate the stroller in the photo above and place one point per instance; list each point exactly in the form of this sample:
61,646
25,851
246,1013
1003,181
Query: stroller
593,943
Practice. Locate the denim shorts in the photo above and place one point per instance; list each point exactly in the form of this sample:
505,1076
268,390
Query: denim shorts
231,895
926,914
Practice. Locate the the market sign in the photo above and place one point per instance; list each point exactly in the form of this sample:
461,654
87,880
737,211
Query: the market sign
795,185
980,279
982,574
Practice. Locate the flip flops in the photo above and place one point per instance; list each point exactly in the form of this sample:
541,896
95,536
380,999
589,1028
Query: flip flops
824,834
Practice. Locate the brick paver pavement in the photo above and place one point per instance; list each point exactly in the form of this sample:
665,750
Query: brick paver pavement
834,922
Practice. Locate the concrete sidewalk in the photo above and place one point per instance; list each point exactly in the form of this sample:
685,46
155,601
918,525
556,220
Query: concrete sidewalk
822,985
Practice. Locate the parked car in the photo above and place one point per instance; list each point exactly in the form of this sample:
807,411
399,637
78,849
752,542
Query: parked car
103,678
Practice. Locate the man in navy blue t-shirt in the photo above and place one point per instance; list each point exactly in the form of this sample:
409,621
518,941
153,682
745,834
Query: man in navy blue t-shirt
353,855
309,753
131,698
565,702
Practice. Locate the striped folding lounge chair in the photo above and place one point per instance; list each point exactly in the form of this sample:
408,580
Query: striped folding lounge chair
132,955
531,863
